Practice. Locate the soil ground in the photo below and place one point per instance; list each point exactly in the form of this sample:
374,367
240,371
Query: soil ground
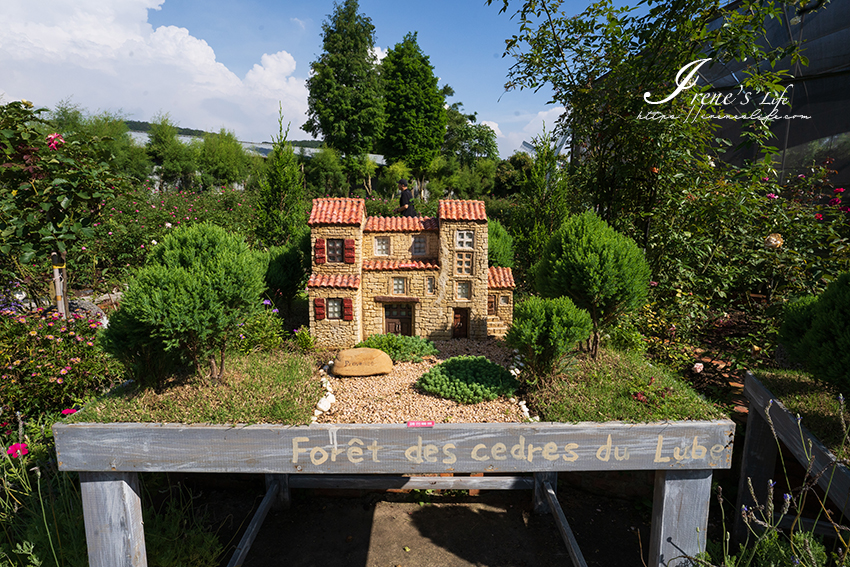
418,529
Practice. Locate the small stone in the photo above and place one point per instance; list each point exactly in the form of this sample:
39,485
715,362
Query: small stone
317,412
324,404
512,400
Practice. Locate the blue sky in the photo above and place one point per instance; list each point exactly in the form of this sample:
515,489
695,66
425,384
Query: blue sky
215,63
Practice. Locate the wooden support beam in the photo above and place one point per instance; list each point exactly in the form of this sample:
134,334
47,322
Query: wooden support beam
679,517
283,499
758,465
383,482
564,527
541,503
112,513
244,546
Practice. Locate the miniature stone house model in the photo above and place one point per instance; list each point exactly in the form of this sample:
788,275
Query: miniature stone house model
417,276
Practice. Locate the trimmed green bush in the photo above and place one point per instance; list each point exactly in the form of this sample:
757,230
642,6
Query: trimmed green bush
826,345
187,302
468,380
545,330
796,322
500,245
600,269
289,267
400,348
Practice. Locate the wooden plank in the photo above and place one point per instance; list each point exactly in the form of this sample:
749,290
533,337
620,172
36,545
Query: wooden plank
254,527
395,448
564,527
112,513
541,502
679,517
836,479
384,482
758,465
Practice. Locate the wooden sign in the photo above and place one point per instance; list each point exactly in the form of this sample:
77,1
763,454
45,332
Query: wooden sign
394,449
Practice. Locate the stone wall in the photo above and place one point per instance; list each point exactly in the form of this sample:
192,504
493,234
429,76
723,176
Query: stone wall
477,304
336,333
426,312
341,232
401,245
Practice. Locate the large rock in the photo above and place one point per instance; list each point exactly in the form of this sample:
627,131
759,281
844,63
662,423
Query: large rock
362,362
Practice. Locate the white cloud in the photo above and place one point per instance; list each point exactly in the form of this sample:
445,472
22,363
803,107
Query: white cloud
299,22
523,128
105,55
380,52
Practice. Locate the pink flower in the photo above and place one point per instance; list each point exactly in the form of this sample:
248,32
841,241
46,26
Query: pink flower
845,209
55,140
68,411
772,196
840,190
653,284
17,450
818,216
835,201
698,367
764,179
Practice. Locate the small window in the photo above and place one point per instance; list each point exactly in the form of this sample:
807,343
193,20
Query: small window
398,286
418,245
334,309
463,265
430,284
505,300
335,250
382,246
464,290
465,239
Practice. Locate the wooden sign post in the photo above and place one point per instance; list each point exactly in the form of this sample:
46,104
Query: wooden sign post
683,453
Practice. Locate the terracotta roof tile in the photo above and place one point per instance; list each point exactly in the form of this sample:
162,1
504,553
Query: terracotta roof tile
400,224
462,210
500,278
401,265
334,280
337,211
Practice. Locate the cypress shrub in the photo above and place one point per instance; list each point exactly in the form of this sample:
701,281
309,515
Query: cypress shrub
289,266
545,330
601,270
197,286
500,245
826,345
796,321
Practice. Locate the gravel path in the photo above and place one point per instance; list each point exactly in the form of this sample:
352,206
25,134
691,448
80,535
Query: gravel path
391,398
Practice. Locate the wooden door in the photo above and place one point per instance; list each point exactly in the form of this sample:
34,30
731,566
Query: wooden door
398,319
491,305
460,326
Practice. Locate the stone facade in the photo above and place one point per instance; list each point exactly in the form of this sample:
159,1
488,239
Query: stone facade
418,276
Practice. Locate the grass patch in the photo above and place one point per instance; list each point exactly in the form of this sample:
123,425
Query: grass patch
258,388
815,401
620,387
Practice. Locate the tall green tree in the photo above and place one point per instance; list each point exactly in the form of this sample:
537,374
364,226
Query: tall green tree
345,106
282,213
222,159
175,161
416,117
465,140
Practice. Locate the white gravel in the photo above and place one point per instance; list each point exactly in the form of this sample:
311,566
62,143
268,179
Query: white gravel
391,398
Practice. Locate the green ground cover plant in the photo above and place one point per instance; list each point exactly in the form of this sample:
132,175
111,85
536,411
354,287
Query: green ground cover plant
261,388
400,348
620,386
468,380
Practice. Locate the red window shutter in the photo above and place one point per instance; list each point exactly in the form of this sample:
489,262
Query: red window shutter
319,308
320,251
349,251
347,309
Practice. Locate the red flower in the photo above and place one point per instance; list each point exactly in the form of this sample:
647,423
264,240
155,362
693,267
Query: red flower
818,216
17,450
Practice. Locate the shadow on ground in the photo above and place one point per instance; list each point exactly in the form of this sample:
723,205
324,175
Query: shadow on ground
384,529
